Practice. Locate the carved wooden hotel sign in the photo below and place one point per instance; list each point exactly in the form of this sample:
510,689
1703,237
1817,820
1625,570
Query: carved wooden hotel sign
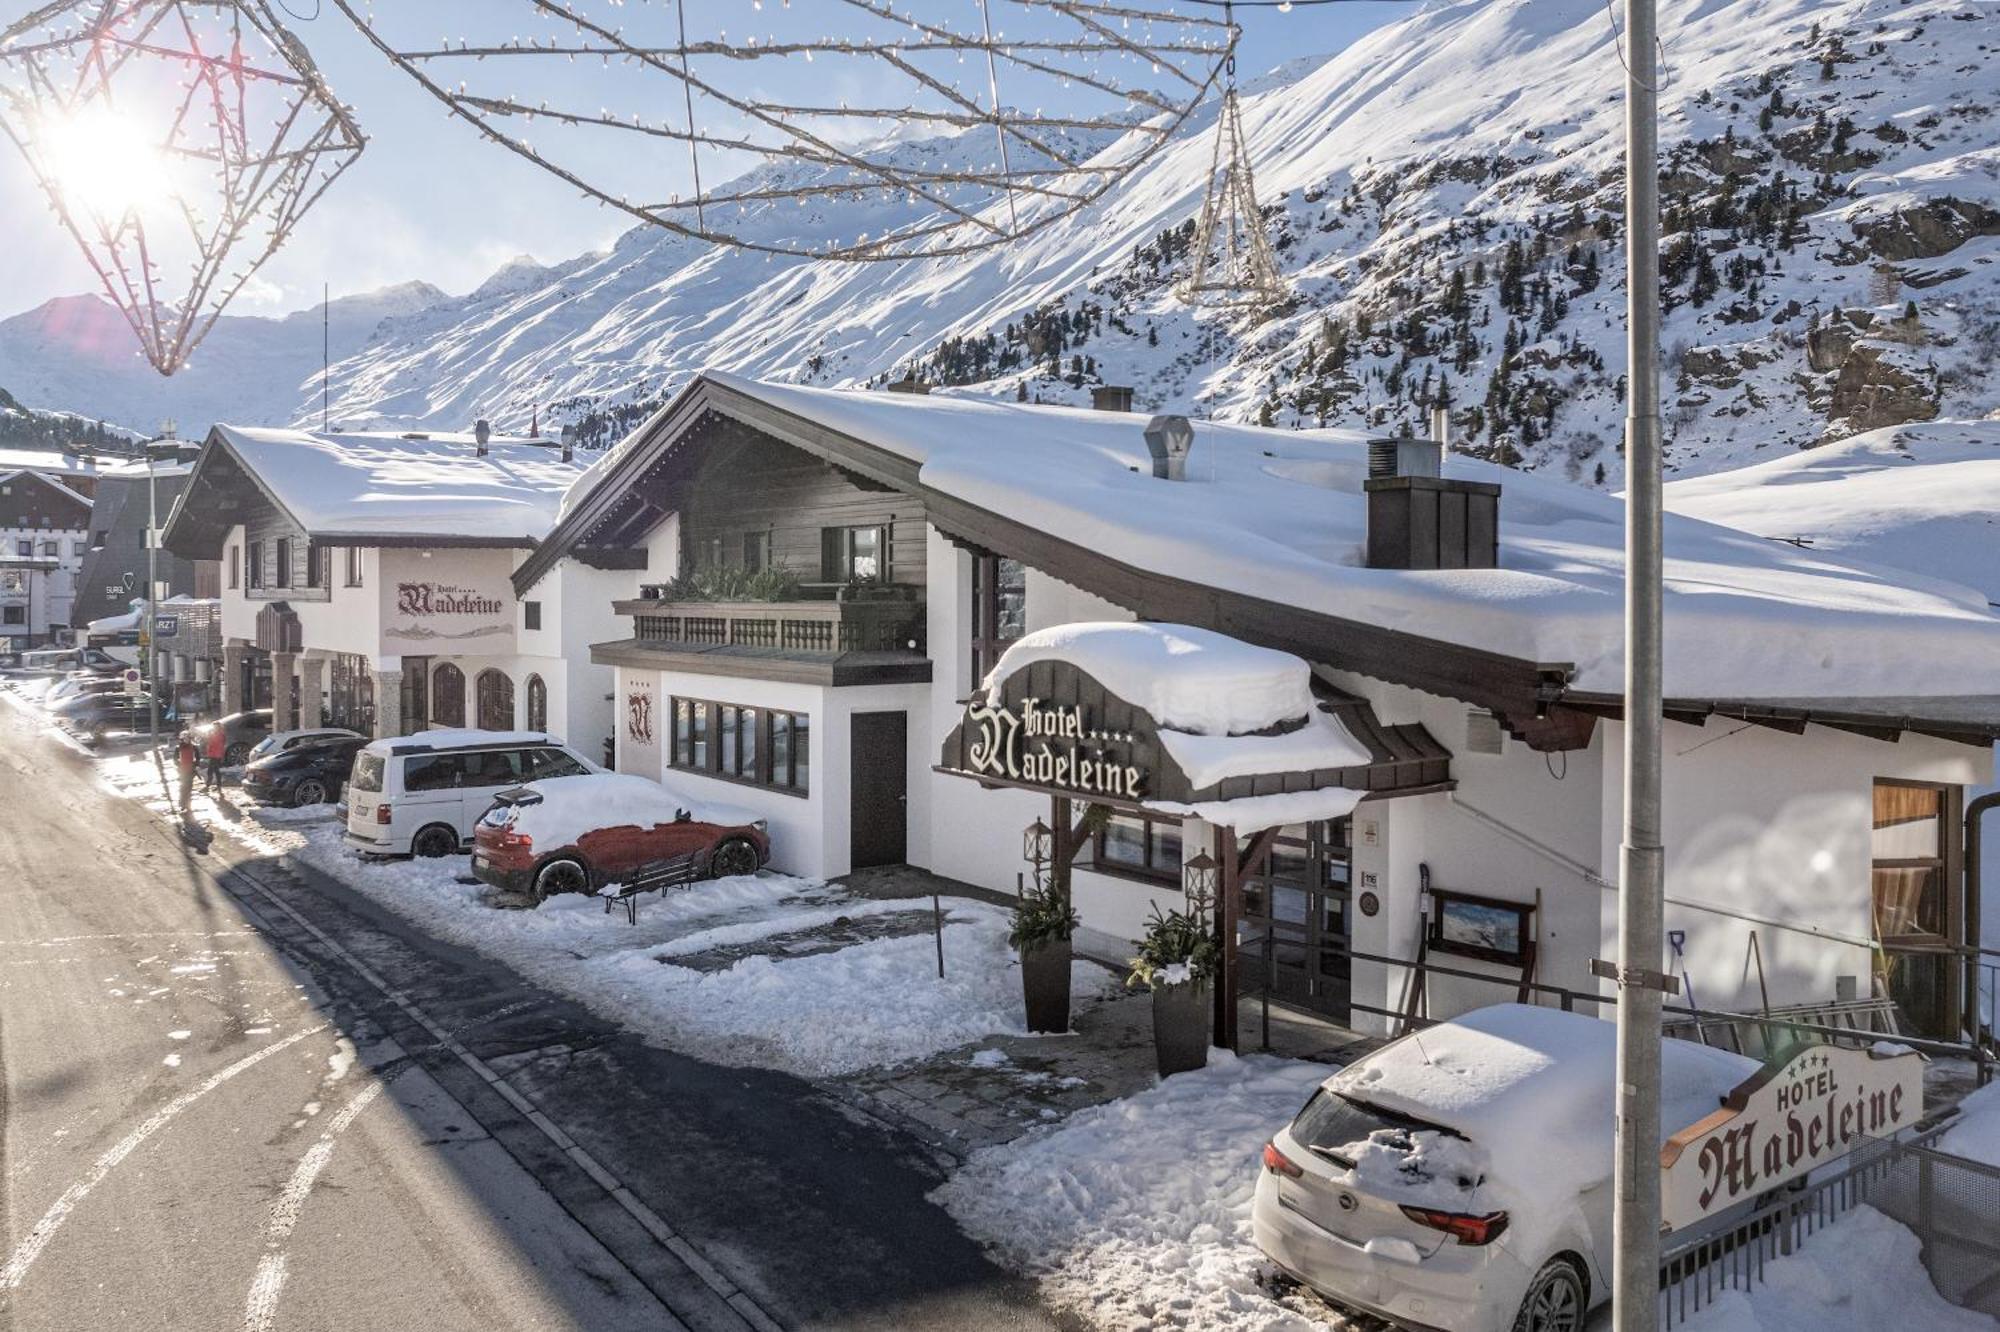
1786,1122
1052,745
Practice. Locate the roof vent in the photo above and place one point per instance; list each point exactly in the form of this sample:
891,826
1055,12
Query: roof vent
1170,438
482,431
1419,519
1112,397
1405,457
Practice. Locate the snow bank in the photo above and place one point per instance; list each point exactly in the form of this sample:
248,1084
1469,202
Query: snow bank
1863,1271
1513,1078
1137,1212
1976,1135
1185,678
572,806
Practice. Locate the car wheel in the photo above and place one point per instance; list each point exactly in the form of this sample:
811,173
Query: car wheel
235,754
732,858
434,841
563,875
1554,1301
309,792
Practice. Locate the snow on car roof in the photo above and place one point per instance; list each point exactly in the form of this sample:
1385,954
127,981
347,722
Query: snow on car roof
390,485
1516,1079
568,807
453,737
1281,515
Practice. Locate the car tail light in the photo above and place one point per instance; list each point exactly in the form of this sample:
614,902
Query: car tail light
382,812
1461,1226
509,840
1278,1163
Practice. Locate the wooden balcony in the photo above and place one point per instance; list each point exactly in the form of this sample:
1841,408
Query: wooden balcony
807,628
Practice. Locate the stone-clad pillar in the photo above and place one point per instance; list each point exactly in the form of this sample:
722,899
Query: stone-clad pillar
388,697
235,653
284,693
312,681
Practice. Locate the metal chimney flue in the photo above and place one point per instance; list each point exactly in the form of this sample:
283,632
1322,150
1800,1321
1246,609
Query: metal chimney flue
1170,439
482,431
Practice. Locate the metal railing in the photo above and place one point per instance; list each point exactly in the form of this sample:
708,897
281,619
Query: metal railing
811,627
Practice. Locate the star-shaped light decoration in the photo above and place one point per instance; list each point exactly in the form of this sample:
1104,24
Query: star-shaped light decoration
178,141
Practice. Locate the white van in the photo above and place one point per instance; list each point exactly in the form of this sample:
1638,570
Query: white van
423,794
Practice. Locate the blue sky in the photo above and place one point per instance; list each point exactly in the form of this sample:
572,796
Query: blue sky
431,200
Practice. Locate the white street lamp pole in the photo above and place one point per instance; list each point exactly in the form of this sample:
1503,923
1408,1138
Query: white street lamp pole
1642,878
153,579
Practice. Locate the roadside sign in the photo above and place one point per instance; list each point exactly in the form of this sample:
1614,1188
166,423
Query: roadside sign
166,626
1787,1121
132,679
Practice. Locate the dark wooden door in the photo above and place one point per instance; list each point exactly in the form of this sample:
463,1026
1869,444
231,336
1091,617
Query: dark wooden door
878,789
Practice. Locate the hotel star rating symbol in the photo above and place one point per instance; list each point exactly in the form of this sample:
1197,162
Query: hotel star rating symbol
178,142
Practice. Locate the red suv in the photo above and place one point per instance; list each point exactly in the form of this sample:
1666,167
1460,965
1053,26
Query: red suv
580,833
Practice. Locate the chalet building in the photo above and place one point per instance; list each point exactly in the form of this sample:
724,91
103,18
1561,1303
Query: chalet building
115,563
365,581
43,540
1379,688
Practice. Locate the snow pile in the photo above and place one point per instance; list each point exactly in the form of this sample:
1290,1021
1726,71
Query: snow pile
569,807
1976,1135
1185,679
1280,515
1323,742
1513,1078
372,484
1863,1271
1137,1212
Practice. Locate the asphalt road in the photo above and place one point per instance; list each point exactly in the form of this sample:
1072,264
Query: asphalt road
238,1096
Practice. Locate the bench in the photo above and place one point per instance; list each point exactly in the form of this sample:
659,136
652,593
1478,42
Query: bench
653,876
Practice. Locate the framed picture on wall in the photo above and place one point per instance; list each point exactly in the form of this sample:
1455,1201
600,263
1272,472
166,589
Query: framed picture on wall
1488,928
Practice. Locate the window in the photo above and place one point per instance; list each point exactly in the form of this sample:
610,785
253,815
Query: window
52,548
552,763
235,567
999,610
254,561
1139,848
24,548
316,565
354,566
284,571
433,772
531,614
756,550
1914,862
103,534
756,746
494,767
448,695
848,554
709,552
13,614
79,548
538,704
495,689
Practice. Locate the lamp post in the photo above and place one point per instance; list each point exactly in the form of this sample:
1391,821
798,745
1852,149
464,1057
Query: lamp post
1198,883
167,445
1038,848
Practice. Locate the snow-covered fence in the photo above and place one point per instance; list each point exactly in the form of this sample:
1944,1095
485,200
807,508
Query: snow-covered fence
1948,1201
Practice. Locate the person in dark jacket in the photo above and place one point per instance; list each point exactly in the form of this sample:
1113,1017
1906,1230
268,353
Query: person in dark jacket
184,754
214,750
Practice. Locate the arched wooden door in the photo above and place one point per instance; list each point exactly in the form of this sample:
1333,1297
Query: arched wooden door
495,689
448,696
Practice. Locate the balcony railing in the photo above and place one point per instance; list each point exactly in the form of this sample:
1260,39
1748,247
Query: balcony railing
822,628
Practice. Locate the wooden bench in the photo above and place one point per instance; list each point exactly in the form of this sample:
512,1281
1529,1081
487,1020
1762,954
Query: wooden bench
653,876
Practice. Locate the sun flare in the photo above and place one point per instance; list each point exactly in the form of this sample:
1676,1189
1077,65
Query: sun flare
104,163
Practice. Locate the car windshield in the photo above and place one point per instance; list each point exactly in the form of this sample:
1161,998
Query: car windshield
1332,1123
368,772
502,815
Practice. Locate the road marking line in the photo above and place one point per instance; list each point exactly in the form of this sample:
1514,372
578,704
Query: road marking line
260,1310
693,1259
37,1239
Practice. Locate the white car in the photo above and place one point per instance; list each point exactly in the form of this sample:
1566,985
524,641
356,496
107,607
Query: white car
1460,1178
280,741
423,794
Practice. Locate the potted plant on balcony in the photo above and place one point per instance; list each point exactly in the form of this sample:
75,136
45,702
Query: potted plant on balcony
1044,920
1177,961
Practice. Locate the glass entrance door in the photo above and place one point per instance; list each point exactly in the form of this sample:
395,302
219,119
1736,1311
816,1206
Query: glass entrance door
1292,937
1915,833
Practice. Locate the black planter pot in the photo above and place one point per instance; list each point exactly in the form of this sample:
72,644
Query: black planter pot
1045,985
1180,1027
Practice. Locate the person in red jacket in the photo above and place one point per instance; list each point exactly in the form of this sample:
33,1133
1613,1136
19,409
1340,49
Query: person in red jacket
214,749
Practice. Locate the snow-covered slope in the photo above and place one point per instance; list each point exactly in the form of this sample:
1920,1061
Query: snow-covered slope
1445,194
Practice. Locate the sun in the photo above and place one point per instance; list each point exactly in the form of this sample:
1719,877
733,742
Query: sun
102,163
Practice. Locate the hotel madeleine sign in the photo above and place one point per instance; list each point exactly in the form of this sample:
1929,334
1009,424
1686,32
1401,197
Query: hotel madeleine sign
1036,743
1786,1122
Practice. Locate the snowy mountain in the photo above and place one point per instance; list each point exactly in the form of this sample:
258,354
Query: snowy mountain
77,352
1445,196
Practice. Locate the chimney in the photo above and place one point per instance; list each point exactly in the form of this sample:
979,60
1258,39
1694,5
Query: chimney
1170,438
569,443
1420,519
1111,398
482,431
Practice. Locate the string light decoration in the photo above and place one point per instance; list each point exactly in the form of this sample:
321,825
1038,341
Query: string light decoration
756,109
1232,264
178,142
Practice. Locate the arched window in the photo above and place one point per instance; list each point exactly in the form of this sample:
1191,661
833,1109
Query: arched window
448,696
496,700
538,704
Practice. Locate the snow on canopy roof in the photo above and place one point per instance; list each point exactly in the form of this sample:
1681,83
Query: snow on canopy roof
1923,498
1514,1079
1280,515
387,485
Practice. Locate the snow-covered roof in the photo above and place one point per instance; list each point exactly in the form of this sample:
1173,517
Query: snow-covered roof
388,485
1281,515
45,462
52,482
1923,498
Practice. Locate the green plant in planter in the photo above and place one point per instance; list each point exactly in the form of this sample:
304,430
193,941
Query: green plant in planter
776,582
1042,917
1179,947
